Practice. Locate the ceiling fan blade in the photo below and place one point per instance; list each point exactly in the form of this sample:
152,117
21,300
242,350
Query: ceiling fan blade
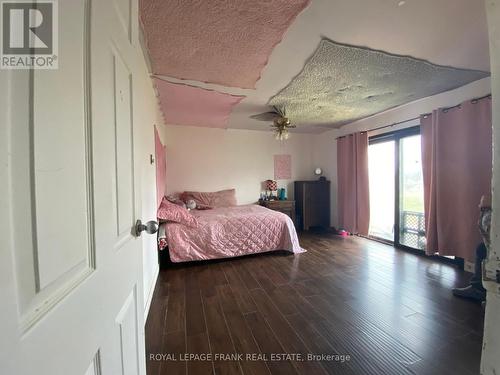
266,116
280,111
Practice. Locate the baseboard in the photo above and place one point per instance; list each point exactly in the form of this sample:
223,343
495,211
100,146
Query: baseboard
150,293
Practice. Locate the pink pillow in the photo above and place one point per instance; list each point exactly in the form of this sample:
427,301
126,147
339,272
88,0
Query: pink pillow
223,198
172,212
175,200
200,206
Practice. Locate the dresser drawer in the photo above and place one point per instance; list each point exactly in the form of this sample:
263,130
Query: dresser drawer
287,207
278,205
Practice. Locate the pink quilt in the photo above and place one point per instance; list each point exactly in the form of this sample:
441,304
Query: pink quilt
230,232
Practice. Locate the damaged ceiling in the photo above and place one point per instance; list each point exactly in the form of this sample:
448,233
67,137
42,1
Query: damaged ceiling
222,42
261,52
342,83
188,105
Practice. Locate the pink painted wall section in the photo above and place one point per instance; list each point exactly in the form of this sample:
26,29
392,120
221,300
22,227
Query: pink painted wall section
282,167
223,42
161,168
187,105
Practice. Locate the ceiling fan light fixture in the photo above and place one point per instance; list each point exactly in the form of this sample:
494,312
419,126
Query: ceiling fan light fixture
281,134
282,121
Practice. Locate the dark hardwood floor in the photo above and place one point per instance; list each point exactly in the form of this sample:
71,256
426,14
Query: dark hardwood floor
391,312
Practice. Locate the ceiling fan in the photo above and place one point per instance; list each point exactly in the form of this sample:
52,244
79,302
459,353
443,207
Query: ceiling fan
281,123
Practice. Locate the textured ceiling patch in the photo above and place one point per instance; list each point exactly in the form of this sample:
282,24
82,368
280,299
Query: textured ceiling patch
187,105
223,42
342,83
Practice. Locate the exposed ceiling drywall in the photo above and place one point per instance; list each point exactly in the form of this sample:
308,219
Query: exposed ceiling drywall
187,105
444,32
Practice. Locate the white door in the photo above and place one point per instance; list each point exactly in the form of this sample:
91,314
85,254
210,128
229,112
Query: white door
70,269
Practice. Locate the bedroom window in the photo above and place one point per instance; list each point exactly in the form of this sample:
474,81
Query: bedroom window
396,188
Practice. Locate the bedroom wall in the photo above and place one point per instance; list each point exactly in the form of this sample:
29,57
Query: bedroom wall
148,114
325,145
146,111
207,159
212,159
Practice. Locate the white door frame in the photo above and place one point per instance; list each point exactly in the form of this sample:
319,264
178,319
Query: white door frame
490,361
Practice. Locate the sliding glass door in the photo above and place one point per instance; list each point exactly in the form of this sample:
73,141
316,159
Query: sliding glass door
382,193
411,194
396,189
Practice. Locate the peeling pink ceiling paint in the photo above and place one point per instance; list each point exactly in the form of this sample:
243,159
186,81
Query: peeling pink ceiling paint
223,42
188,105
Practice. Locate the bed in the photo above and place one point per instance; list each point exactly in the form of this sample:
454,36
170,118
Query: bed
230,232
223,229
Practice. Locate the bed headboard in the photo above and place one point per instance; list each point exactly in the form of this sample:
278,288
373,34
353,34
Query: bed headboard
161,168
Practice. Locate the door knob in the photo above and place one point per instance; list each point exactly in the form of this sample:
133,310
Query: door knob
150,227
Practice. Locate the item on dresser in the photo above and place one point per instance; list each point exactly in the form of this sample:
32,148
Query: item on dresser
271,186
319,172
285,206
312,203
282,194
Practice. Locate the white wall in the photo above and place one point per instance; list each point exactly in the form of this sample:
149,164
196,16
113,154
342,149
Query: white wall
146,112
325,157
206,159
325,145
147,115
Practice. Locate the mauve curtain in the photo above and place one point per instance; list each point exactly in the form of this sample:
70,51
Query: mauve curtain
456,162
352,175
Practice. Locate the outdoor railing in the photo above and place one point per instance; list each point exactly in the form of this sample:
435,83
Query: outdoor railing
412,229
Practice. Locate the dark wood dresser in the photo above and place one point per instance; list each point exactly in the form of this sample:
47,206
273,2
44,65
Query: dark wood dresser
312,204
286,206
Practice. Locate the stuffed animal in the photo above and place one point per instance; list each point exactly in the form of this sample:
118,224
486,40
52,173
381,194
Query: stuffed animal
191,204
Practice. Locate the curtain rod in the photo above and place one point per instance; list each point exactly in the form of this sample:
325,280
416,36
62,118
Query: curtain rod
425,115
